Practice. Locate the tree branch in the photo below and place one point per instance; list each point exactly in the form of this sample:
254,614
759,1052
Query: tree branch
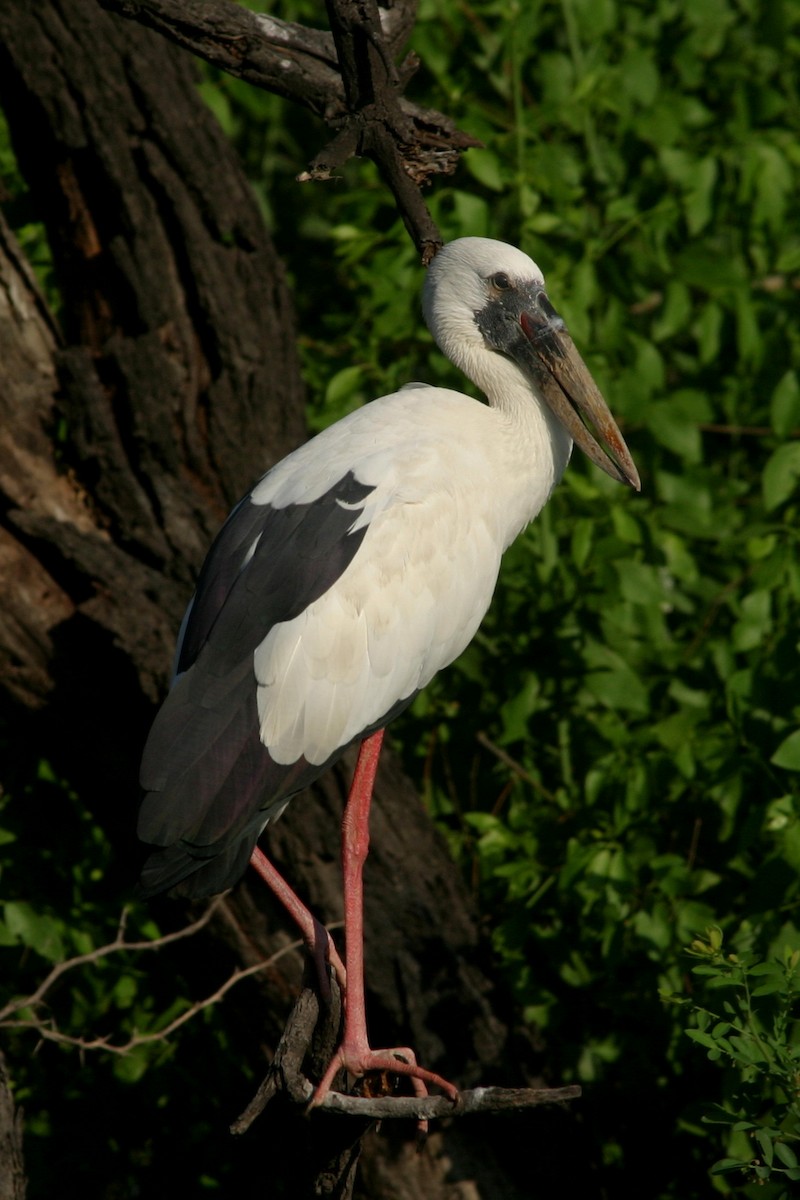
333,1147
470,1103
296,63
48,1030
512,764
93,956
313,1031
347,77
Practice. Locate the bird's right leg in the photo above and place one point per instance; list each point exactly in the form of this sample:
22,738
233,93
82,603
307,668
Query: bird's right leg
315,935
355,1054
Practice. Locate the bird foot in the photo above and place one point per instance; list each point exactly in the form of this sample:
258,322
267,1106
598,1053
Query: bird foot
399,1061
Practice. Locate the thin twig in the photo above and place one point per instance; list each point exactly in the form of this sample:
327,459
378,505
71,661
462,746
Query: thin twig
51,1034
513,765
48,1030
743,430
114,947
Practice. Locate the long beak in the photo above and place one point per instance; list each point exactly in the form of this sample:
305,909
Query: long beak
573,397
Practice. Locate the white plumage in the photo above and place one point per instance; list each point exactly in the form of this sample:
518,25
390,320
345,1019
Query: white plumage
414,595
362,564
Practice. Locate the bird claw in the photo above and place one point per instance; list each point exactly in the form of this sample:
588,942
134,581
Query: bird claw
400,1060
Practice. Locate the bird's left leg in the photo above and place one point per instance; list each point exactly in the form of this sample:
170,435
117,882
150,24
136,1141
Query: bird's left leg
355,1054
315,935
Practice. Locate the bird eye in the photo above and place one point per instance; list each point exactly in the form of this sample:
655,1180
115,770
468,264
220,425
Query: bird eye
501,281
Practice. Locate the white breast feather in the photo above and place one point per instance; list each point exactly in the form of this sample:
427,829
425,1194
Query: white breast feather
379,634
443,509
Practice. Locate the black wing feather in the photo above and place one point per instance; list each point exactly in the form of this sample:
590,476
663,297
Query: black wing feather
209,780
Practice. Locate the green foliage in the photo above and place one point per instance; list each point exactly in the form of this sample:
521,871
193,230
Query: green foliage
752,1028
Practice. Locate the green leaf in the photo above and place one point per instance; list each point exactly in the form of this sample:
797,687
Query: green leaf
676,311
781,475
343,385
703,1039
765,1144
639,76
772,967
129,1068
7,938
715,1114
786,1154
725,1165
708,331
774,184
581,542
675,422
641,583
788,753
620,689
484,166
785,405
39,931
755,623
699,197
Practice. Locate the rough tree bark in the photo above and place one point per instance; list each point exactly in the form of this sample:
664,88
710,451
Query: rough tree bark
176,374
12,1170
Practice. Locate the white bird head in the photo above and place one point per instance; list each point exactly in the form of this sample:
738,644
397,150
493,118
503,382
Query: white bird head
485,304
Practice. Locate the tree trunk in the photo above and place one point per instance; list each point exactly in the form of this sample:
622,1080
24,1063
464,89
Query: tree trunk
176,381
12,1169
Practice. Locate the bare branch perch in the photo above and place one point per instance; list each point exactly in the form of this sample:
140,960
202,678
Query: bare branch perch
470,1103
308,1022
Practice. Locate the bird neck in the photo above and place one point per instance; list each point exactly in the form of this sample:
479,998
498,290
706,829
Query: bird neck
537,435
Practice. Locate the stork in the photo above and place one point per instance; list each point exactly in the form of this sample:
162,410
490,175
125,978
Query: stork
354,570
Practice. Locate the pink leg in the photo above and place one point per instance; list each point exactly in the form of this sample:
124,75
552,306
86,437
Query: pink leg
355,1054
315,936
